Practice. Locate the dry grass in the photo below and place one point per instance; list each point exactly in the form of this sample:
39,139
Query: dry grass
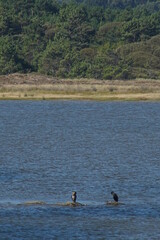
29,86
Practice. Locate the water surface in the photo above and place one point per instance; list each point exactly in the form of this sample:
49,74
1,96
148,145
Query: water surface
50,148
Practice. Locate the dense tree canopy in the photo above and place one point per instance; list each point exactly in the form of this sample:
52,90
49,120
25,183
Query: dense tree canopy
102,39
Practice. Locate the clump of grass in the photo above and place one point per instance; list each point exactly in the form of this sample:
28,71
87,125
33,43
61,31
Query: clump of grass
94,89
112,89
31,94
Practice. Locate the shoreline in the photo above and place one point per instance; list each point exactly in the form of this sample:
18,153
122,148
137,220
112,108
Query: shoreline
39,87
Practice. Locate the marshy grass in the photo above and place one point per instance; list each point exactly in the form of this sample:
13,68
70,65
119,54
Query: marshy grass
91,89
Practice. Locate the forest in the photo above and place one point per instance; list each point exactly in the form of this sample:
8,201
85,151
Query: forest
100,39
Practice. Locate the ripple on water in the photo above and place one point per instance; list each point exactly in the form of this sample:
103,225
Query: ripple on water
49,149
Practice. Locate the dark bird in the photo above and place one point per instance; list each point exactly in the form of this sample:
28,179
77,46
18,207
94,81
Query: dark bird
115,196
74,196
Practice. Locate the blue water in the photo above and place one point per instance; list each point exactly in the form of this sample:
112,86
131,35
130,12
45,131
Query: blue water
50,148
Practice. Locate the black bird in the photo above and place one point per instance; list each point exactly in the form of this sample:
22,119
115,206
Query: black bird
115,196
74,196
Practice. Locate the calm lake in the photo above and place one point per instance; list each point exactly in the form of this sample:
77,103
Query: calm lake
50,148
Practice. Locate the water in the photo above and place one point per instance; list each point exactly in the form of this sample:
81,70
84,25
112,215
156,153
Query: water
50,148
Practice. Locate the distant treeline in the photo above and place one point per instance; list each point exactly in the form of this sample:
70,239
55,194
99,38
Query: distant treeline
103,39
114,3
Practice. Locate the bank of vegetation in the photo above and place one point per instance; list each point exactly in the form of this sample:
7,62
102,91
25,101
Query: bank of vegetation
102,39
41,87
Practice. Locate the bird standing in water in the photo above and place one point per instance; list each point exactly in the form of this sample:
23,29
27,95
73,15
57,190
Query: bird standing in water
115,196
74,196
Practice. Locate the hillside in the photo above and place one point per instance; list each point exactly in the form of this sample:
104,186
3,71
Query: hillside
84,39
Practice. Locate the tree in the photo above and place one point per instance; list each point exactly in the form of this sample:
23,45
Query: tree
9,60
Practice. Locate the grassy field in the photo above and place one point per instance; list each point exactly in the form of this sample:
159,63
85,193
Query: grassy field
39,87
